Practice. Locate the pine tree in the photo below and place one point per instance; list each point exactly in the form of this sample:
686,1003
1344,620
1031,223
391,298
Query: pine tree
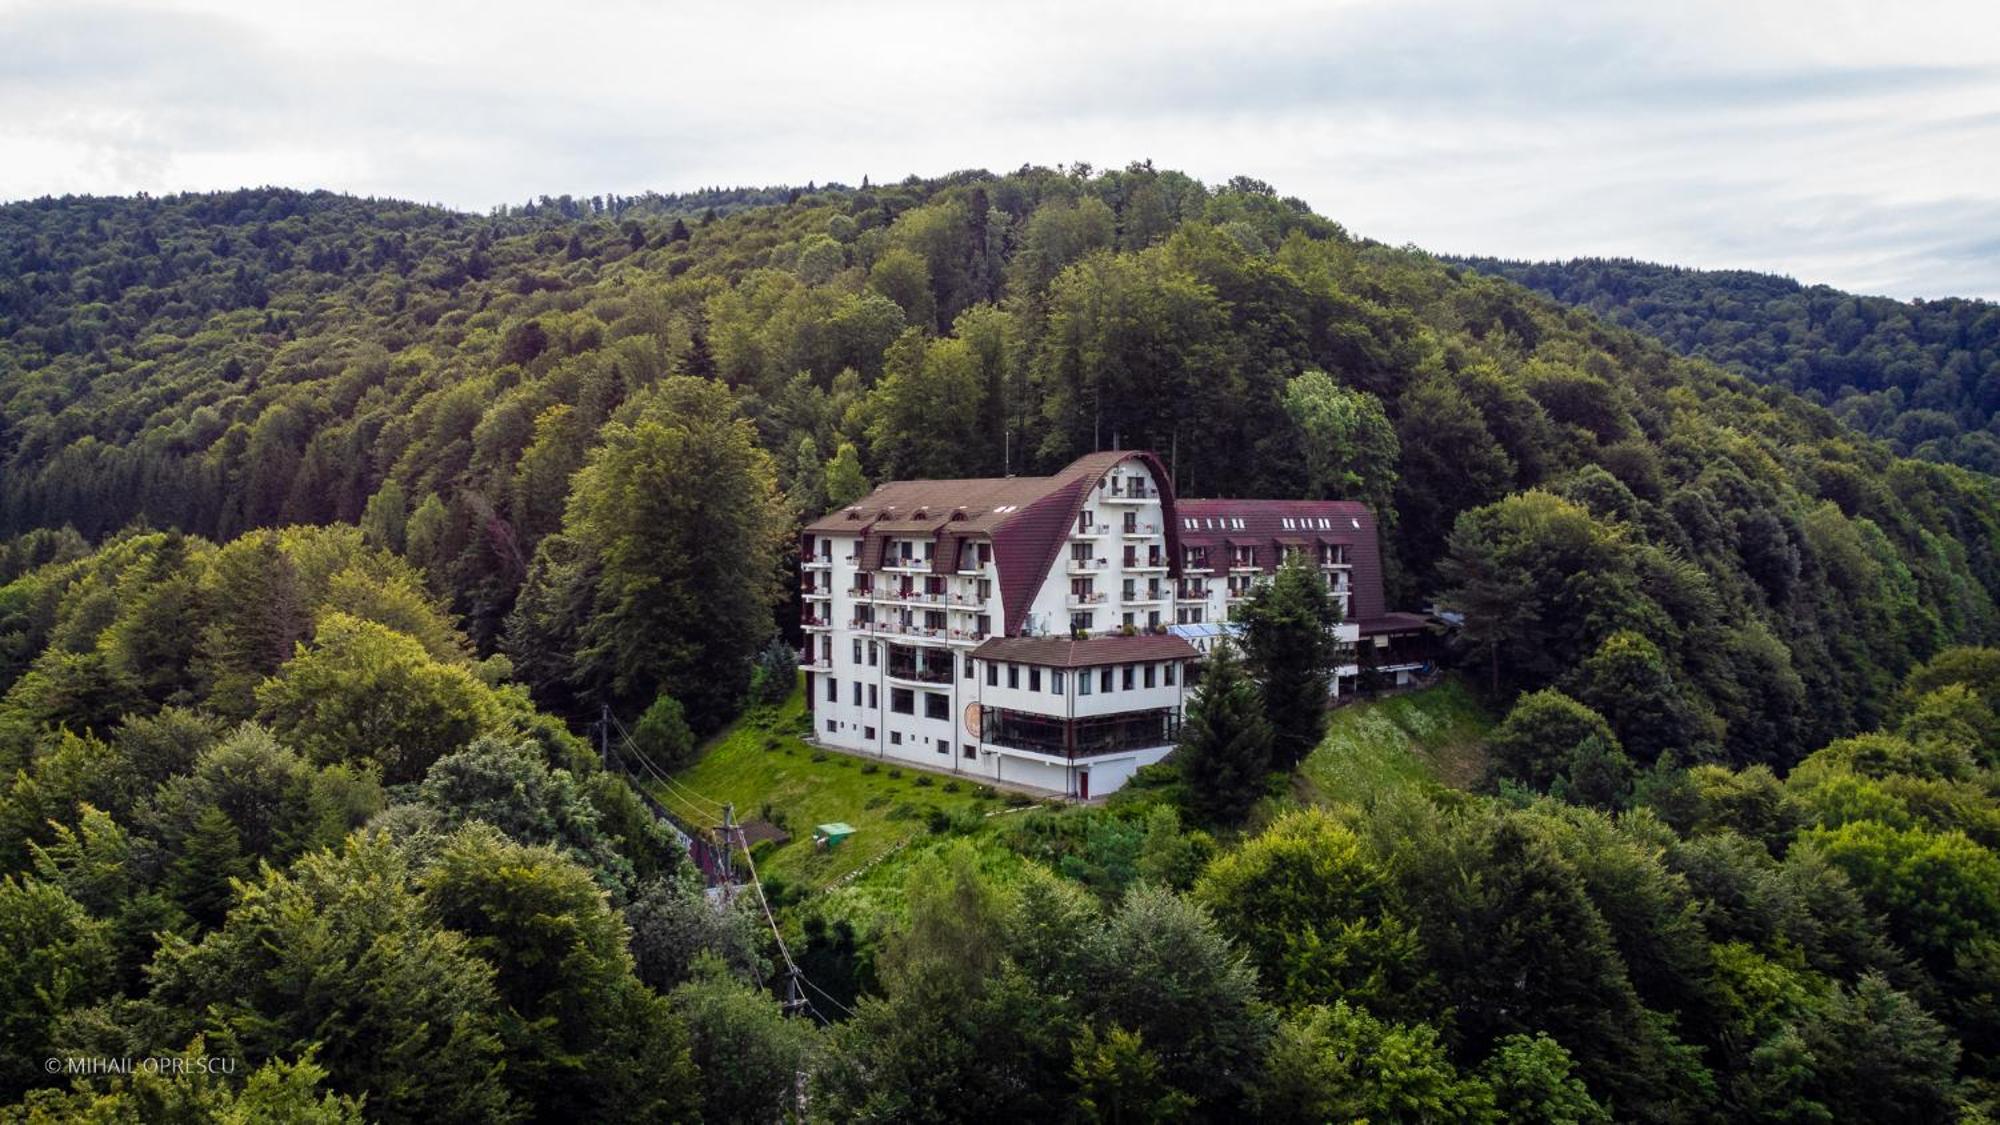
1225,745
211,855
844,481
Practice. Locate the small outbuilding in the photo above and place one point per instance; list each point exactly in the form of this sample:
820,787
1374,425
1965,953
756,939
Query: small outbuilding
826,837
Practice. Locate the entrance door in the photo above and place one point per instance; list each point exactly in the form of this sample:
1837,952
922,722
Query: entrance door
1083,785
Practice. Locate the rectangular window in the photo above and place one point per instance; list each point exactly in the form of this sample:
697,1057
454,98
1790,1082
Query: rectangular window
829,726
1083,683
1056,682
944,745
902,701
868,733
1149,675
1013,675
937,705
1083,521
895,738
1168,673
857,693
874,654
1034,679
857,651
832,690
1131,521
971,751
1128,678
874,699
992,674
968,665
1104,681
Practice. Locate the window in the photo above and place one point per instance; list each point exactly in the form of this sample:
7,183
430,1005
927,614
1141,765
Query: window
1034,679
992,674
1104,681
829,726
1056,682
868,733
857,650
1083,683
971,751
937,705
895,738
874,700
1131,522
968,665
874,654
985,593
944,745
902,701
832,690
1079,552
1013,675
857,693
1128,678
1168,674
1082,619
1149,675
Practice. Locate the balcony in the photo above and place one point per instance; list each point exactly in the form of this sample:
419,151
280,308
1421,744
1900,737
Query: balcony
1138,495
1081,601
1144,565
918,597
817,562
1093,531
966,636
1086,566
1144,597
815,663
917,674
907,566
1190,595
860,593
816,621
1139,529
816,592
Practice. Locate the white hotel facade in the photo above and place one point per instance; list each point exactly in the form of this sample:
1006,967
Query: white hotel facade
1036,630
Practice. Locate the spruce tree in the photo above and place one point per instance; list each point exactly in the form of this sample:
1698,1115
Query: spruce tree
1225,744
1289,644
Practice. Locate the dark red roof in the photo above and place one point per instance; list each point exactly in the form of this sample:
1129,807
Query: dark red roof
1027,519
1220,524
1397,622
1067,652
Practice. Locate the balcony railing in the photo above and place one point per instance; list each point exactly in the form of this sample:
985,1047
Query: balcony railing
815,663
1076,599
1146,564
1142,529
816,592
816,621
815,562
1080,738
915,674
1076,564
1129,495
1141,596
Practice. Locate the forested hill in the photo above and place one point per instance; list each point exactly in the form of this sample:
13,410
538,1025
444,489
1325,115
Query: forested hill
327,527
218,363
1923,376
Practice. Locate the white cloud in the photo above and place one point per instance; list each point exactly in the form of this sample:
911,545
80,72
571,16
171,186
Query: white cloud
1836,142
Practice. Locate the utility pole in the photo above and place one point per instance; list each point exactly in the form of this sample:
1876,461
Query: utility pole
604,733
729,837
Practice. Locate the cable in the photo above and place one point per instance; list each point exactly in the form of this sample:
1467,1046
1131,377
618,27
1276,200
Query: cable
688,793
829,996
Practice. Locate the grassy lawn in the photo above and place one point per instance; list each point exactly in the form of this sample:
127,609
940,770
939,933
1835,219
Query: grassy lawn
1428,737
768,771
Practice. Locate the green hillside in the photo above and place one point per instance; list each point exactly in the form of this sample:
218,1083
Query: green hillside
1922,376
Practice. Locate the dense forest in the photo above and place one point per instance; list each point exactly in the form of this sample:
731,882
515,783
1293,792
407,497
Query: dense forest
1923,376
328,526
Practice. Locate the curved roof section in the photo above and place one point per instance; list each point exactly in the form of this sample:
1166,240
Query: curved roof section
1027,519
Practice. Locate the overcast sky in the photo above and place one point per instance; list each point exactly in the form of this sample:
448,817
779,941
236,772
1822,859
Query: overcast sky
1854,144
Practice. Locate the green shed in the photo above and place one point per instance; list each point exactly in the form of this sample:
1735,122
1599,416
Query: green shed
829,836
